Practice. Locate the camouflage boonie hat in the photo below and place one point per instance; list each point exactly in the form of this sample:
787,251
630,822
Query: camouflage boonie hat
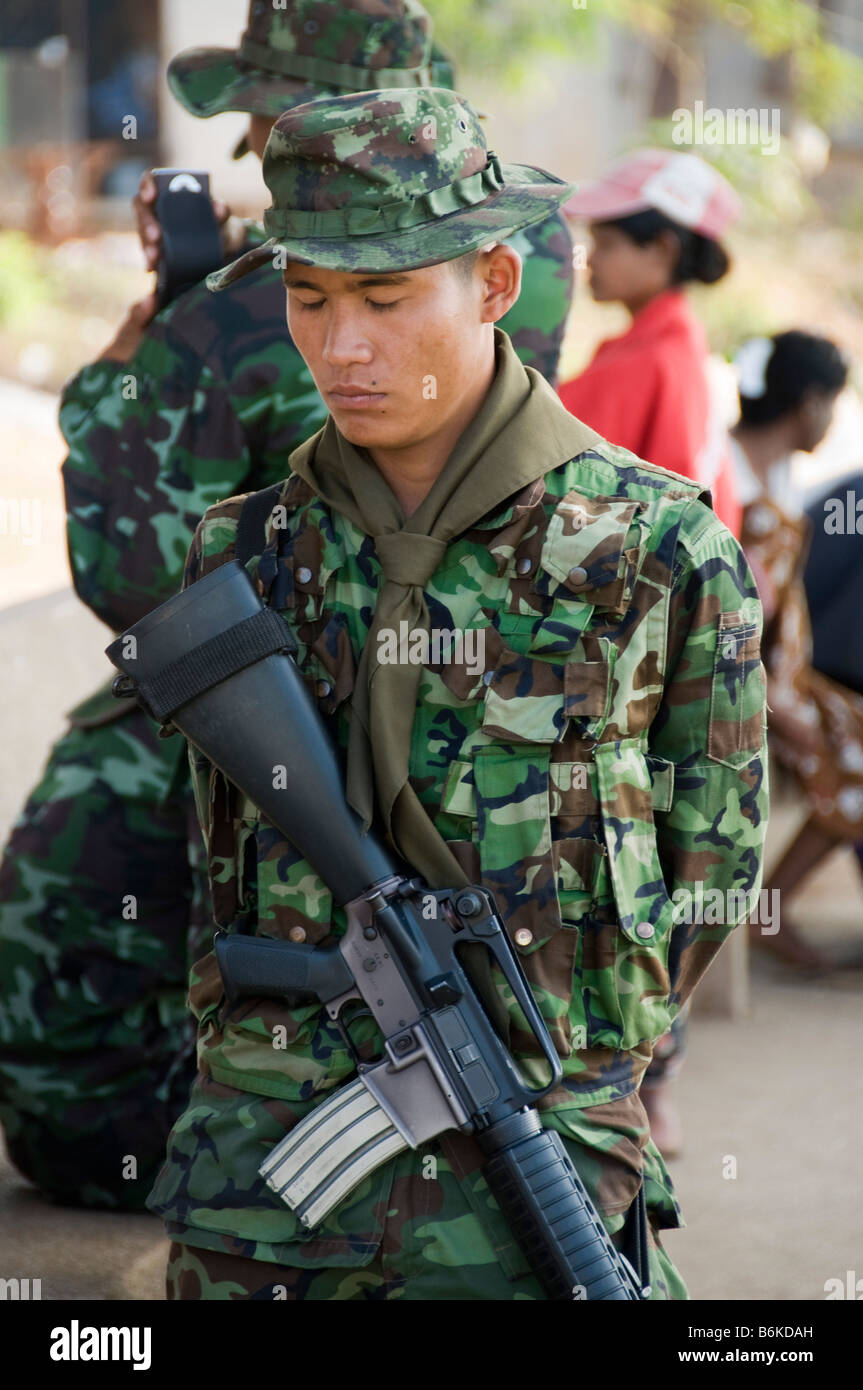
307,49
390,180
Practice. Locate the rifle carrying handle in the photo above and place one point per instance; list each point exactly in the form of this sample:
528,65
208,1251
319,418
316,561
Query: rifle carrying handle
551,1215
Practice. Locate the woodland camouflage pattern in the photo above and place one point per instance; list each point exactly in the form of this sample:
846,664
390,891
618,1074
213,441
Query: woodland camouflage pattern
320,47
390,180
95,1036
613,752
100,914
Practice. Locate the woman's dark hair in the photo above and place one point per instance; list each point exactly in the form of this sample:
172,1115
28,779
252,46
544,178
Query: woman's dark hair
798,364
701,258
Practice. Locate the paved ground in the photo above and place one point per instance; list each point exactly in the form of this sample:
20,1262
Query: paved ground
774,1094
777,1092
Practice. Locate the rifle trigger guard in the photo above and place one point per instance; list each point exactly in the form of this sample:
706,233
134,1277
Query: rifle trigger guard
334,1010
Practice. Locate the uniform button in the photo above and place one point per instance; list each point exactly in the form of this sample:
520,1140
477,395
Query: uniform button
524,936
524,565
297,934
304,574
578,576
323,689
645,930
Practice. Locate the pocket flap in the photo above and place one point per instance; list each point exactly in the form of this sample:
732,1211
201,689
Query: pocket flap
524,700
332,663
573,788
584,547
626,795
586,688
459,794
530,700
514,837
736,728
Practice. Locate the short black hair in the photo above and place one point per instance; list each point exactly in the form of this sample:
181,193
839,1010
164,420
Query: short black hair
463,265
701,257
799,363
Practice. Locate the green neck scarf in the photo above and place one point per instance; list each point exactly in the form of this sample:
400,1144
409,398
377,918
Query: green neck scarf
520,432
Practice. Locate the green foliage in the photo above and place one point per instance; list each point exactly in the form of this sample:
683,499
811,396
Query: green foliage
829,82
507,37
733,316
24,283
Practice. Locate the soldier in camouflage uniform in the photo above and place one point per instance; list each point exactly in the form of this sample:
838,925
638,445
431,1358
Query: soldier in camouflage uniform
101,880
608,757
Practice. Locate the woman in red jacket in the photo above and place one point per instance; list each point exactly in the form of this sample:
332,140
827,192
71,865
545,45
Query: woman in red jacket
655,219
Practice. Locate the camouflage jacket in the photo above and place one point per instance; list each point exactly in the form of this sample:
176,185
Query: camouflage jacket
609,755
212,404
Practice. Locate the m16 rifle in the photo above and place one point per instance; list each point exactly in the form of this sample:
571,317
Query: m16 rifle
218,664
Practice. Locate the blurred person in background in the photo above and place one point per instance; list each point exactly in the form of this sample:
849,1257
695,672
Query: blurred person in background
833,579
655,219
103,895
788,385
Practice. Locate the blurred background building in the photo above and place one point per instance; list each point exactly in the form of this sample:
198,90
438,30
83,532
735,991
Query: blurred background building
84,107
566,84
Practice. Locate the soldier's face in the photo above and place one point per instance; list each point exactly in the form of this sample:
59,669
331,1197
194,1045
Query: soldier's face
396,356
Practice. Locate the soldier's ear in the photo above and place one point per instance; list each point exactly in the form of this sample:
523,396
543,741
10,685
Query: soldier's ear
499,268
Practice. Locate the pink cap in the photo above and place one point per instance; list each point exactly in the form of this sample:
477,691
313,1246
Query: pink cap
684,187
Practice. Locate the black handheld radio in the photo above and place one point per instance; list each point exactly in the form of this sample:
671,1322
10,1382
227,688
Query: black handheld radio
191,236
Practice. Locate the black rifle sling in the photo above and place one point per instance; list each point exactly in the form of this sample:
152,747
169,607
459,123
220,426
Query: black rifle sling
252,526
635,1243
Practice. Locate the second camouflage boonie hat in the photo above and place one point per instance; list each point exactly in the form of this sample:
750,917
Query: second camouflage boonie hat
390,181
304,49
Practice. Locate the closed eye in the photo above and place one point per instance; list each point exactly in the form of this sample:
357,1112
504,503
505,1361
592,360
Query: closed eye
379,306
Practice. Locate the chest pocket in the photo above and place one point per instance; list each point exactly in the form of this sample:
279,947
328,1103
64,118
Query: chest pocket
563,822
529,700
548,669
592,551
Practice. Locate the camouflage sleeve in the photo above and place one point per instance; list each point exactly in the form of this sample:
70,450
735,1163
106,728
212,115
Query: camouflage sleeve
711,729
195,416
536,322
214,541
